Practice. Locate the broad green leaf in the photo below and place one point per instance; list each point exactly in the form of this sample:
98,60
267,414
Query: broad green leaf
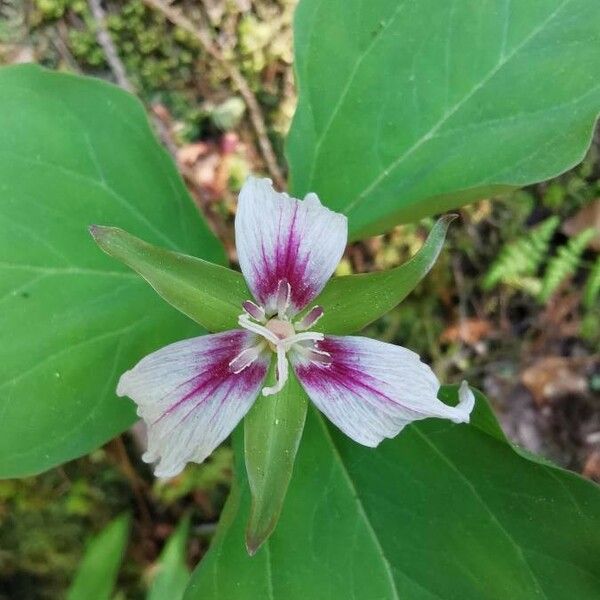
210,294
98,570
172,574
272,432
73,152
442,512
408,108
352,302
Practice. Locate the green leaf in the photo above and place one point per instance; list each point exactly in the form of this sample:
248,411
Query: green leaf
443,511
76,151
210,294
272,432
411,108
172,574
352,302
98,570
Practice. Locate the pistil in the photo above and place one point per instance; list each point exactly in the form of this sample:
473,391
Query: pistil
279,335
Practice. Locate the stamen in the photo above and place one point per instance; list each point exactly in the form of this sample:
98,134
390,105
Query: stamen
314,355
245,358
315,313
245,322
284,295
306,336
282,373
319,356
255,311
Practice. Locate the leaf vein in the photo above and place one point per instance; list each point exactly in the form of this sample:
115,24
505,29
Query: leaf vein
431,133
480,499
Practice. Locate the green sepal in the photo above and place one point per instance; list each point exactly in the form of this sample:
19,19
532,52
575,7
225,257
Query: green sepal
272,432
352,302
209,294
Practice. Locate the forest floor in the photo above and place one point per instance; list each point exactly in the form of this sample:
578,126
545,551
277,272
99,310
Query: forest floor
208,82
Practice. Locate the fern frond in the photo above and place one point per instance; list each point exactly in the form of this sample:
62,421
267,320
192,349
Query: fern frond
523,256
592,286
564,263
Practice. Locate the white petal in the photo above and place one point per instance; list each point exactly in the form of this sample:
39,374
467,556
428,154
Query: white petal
189,397
279,238
371,389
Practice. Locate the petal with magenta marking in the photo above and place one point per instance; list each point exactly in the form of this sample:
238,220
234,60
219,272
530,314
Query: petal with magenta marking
281,239
371,389
190,398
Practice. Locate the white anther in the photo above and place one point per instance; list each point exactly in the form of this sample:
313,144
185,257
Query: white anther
305,336
311,318
314,355
284,296
245,322
245,358
255,311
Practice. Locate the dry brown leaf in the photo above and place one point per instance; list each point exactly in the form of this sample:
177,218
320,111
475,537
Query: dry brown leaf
586,217
591,468
555,376
469,331
190,153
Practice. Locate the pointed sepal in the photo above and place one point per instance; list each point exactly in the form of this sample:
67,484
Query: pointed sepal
209,294
352,302
272,432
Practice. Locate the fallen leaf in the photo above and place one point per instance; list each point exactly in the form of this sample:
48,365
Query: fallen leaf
469,331
555,376
591,469
588,216
190,153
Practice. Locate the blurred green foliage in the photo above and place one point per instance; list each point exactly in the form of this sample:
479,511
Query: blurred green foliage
520,259
46,520
154,58
166,63
214,473
537,255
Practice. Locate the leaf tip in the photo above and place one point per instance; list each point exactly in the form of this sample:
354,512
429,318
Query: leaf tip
95,230
105,237
448,218
100,232
253,544
256,535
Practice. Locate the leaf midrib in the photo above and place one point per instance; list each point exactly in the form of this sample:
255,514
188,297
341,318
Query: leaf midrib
69,270
361,509
346,89
518,548
504,59
100,184
431,133
481,501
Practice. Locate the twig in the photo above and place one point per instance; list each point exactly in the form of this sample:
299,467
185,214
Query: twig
137,483
58,41
162,129
110,52
205,40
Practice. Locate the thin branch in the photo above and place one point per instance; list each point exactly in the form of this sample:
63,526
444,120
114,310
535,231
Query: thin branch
108,46
254,111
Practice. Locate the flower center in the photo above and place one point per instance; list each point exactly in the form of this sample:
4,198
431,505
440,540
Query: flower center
282,329
280,335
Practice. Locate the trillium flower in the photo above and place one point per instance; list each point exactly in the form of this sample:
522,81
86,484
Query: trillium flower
193,393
